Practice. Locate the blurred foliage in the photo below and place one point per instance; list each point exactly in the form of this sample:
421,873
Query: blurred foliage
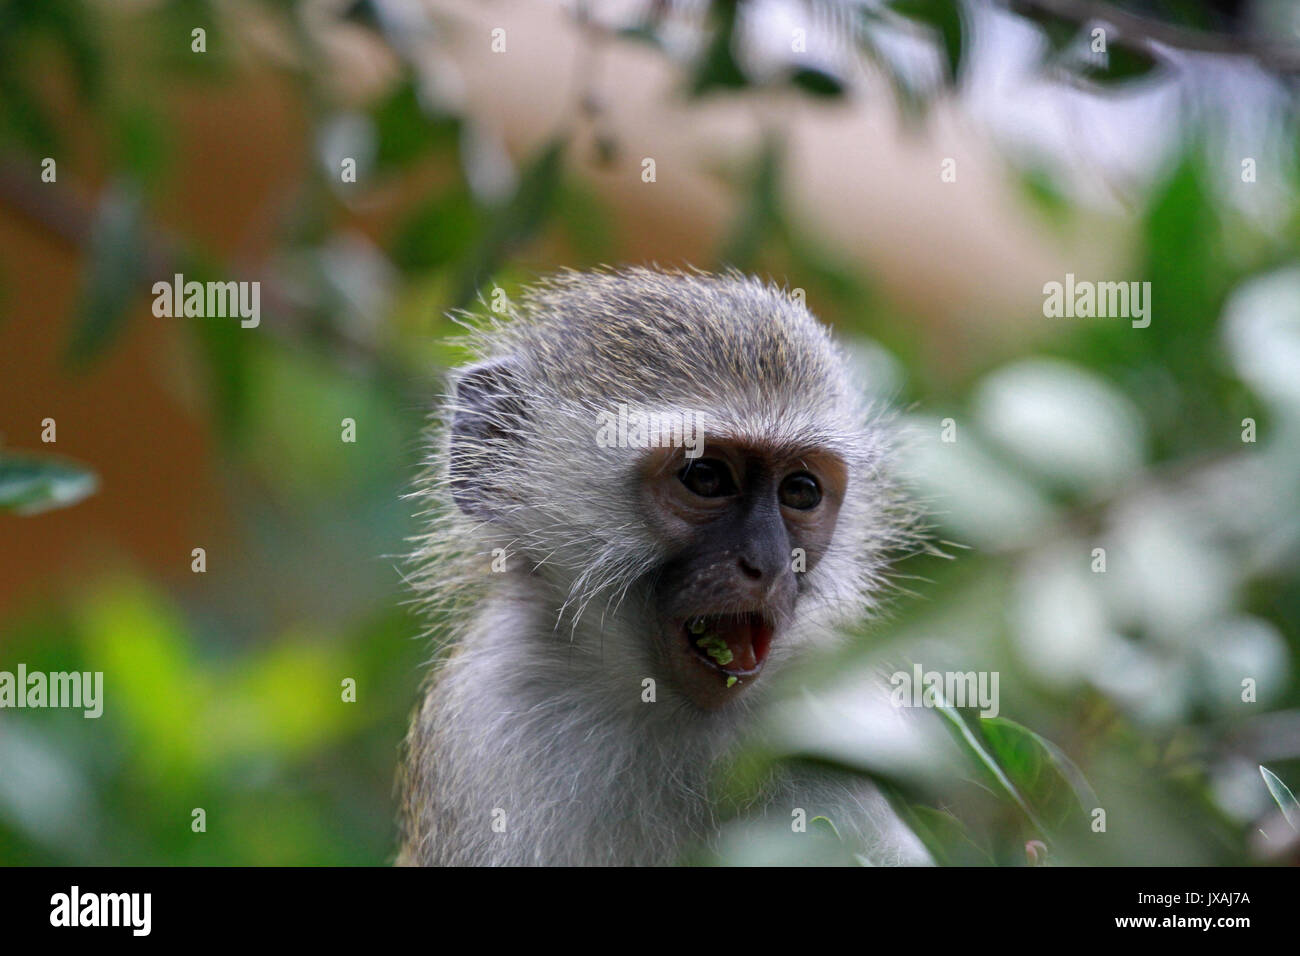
30,484
228,696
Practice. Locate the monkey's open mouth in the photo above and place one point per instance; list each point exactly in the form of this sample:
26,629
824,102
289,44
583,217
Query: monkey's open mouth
735,644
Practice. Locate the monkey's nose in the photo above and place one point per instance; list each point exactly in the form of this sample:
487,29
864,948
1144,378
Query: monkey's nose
751,572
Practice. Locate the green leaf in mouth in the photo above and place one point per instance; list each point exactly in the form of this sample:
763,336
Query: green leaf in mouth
716,648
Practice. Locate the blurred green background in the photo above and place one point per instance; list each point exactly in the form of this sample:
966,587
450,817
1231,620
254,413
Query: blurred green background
919,168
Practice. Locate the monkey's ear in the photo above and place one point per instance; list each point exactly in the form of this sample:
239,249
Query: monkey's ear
486,428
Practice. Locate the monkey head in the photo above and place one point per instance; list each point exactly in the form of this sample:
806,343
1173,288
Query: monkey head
744,523
702,556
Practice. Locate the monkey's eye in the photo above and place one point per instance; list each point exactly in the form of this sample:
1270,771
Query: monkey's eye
708,478
800,491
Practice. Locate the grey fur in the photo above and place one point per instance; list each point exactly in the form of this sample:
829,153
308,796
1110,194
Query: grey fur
536,709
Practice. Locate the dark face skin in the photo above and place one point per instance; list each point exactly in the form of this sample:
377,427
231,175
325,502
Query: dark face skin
733,517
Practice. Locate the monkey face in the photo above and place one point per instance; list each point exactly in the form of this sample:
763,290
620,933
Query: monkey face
743,523
702,571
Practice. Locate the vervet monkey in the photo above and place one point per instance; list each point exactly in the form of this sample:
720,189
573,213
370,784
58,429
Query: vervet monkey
621,587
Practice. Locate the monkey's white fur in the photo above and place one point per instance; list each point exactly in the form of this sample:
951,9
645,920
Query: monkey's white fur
535,721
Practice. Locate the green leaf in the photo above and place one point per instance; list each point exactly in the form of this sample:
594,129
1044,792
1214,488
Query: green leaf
362,13
1069,46
817,82
1060,31
225,349
1047,779
1123,64
943,16
75,26
22,116
441,230
985,758
516,222
174,25
761,214
30,484
947,839
910,97
1047,787
642,33
113,266
1283,796
825,825
407,128
717,68
587,224
1045,194
139,142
